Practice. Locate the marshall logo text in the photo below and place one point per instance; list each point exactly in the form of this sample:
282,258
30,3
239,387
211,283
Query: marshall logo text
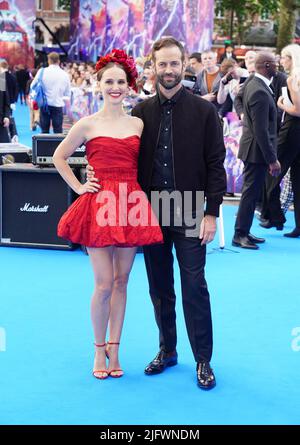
36,209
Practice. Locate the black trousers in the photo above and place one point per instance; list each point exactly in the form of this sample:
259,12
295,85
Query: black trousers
54,115
191,258
4,135
254,178
289,157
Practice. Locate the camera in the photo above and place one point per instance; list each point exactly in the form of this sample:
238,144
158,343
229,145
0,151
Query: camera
189,81
227,79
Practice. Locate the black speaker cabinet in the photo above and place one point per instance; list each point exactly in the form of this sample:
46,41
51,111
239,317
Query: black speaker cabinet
32,202
12,153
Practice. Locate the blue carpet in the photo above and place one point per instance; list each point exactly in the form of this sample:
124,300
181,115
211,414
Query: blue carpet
45,372
21,115
45,369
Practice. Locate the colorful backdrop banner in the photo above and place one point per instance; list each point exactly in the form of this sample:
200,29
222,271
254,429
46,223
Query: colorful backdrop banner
98,26
16,33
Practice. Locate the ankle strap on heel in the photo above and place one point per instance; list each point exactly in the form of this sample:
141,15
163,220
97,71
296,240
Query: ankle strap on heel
113,343
100,346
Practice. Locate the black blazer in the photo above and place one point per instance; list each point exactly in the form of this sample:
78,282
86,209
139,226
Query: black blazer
279,81
11,86
198,147
258,143
4,106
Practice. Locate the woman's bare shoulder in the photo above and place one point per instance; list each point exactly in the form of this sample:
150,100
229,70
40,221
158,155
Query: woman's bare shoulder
137,122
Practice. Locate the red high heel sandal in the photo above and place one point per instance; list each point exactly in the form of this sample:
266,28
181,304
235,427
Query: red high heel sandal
113,370
103,377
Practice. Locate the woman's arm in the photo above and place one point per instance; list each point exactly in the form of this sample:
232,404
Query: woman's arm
294,109
139,125
74,139
223,92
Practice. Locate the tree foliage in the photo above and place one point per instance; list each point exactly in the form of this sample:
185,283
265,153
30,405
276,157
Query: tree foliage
287,22
65,4
244,11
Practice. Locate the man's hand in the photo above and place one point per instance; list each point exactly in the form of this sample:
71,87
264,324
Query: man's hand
208,229
210,97
275,168
6,122
90,173
92,184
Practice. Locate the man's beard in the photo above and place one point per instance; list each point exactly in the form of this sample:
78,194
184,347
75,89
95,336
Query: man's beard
169,84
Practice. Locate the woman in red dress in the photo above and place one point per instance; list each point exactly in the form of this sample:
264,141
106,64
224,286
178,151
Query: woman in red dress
113,217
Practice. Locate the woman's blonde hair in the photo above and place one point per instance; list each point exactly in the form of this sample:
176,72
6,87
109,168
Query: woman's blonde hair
293,52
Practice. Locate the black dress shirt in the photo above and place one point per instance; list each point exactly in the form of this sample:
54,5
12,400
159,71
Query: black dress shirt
163,166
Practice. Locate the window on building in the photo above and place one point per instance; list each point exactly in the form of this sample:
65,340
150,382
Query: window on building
39,5
62,5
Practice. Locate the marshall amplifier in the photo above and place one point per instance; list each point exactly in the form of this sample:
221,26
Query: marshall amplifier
32,202
44,145
12,153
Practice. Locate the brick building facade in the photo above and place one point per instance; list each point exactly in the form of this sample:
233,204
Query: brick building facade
57,19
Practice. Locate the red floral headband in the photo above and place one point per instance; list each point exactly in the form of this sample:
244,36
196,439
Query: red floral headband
119,56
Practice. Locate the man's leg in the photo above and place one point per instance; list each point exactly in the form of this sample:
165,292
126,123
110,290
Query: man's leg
57,119
191,258
254,177
159,264
45,120
4,136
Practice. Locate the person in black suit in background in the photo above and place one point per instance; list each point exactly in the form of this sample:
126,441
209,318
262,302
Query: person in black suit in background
12,89
258,146
4,110
228,53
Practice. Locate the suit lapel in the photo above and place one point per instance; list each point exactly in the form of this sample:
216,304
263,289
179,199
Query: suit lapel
262,83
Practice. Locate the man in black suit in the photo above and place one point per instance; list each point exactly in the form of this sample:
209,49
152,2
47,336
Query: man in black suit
258,146
228,53
12,89
4,110
182,149
278,81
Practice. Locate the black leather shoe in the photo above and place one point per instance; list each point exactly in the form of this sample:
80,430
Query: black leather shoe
161,362
294,233
244,242
255,239
267,224
205,376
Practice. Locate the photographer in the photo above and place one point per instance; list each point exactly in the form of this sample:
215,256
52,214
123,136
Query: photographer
146,82
189,78
230,83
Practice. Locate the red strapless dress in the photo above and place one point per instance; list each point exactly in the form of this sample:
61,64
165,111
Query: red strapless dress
120,213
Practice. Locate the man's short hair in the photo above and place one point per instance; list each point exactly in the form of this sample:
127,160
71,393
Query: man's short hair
196,56
4,64
209,51
53,57
167,42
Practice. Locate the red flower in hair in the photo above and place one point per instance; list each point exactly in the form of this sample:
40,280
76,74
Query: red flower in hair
119,56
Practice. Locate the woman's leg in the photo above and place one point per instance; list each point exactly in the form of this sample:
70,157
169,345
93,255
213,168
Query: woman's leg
102,262
122,264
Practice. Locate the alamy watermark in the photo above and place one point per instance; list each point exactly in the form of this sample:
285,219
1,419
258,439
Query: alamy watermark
167,209
2,340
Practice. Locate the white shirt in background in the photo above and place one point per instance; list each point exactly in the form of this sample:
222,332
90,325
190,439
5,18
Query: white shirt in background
56,84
